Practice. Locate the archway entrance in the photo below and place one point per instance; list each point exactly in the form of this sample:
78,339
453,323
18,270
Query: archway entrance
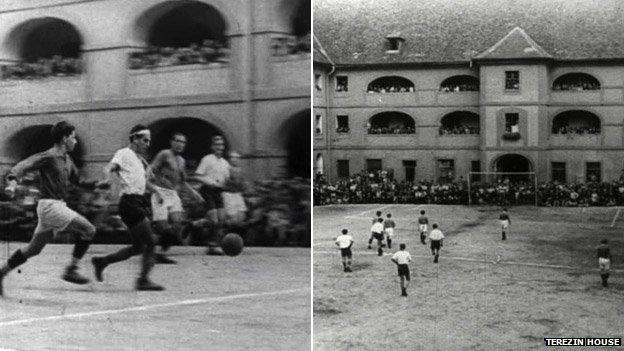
514,163
198,134
36,138
296,133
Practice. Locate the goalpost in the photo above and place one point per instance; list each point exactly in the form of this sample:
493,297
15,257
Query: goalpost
494,177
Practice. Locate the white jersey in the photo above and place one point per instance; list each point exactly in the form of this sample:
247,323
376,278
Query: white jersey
132,171
213,170
402,257
344,241
436,234
377,228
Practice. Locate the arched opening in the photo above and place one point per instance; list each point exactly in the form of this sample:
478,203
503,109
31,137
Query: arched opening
513,163
296,135
318,164
576,82
460,83
180,33
198,134
576,122
391,84
44,47
36,138
393,122
459,122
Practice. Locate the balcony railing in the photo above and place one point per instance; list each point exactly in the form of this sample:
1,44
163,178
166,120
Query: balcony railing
56,66
153,57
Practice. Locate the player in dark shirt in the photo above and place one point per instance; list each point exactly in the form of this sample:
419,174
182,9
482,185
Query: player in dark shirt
604,261
375,219
505,222
56,170
423,221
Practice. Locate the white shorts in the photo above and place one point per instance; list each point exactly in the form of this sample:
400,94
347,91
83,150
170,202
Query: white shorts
422,228
54,215
604,264
389,232
504,224
161,207
233,204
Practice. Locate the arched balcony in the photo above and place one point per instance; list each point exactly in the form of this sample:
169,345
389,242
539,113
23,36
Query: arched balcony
576,122
41,48
391,123
459,83
459,123
295,15
390,84
180,33
576,82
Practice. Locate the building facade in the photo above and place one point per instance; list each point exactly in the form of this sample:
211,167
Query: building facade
239,68
435,91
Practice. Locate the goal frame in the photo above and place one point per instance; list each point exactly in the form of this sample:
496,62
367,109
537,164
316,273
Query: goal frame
470,174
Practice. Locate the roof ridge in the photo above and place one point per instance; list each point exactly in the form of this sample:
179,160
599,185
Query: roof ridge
525,36
322,50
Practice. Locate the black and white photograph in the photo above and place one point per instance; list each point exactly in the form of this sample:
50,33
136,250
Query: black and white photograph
155,172
468,174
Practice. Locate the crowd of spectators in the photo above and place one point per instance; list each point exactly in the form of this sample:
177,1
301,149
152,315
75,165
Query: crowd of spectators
381,187
209,51
56,66
459,129
390,89
391,130
342,130
580,130
577,86
290,45
459,87
341,87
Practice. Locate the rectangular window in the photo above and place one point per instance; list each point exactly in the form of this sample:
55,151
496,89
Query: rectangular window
343,168
342,83
446,170
511,122
318,124
592,172
342,124
317,82
558,170
475,166
512,80
373,164
410,170
394,44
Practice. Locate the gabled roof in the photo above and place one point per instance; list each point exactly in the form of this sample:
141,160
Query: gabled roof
449,31
319,54
516,44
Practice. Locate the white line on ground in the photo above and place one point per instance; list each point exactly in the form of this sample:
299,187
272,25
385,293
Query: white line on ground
359,215
151,307
497,261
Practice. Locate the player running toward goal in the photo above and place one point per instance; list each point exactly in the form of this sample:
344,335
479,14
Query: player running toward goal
423,222
389,226
436,237
505,222
375,220
56,170
131,170
402,259
377,233
344,242
604,261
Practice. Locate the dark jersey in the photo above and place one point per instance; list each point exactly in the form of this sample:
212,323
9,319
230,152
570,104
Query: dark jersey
55,169
388,223
503,217
603,251
423,220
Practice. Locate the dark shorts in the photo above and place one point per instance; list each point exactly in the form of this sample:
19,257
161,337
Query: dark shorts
346,252
212,196
378,236
404,271
435,244
133,209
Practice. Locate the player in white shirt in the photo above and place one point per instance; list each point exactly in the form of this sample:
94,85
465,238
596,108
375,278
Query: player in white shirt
131,169
389,226
436,238
344,242
375,219
402,259
377,231
213,172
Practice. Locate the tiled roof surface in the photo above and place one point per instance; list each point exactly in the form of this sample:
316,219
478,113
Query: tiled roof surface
355,31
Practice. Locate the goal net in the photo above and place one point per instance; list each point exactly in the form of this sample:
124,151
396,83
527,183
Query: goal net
502,188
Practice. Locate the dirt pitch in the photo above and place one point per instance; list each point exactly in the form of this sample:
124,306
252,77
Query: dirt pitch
485,294
259,300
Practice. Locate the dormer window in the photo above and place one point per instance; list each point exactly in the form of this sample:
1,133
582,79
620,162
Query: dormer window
394,43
